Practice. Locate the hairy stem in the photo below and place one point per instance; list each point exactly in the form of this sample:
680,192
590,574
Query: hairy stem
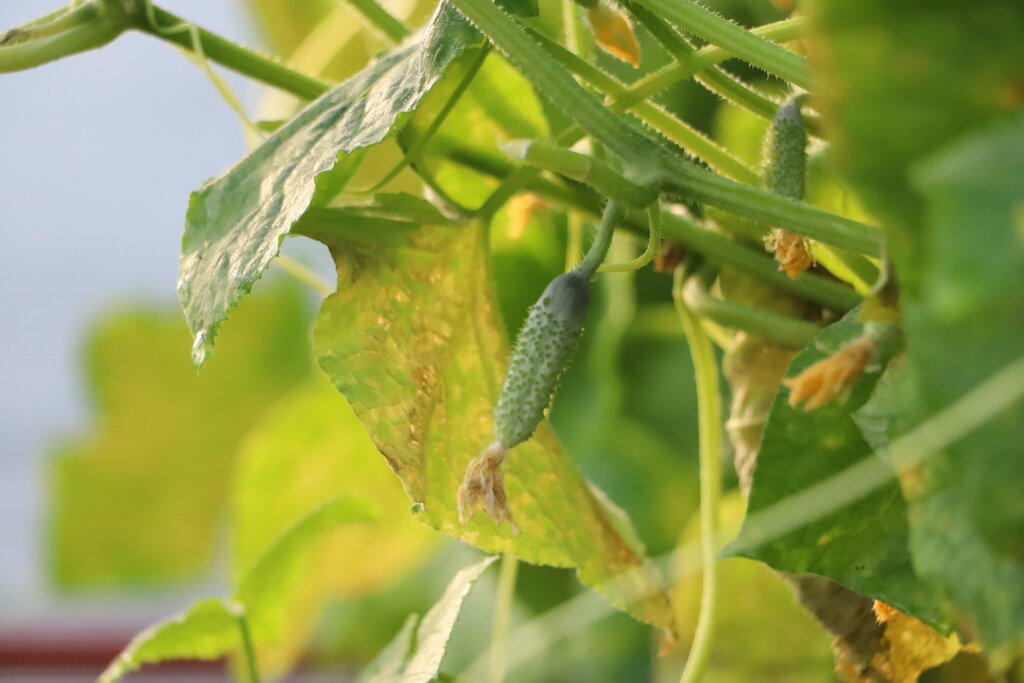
733,38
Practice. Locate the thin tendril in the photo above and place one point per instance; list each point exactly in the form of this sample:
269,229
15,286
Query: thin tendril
653,244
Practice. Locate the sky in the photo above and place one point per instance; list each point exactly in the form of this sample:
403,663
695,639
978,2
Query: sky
98,155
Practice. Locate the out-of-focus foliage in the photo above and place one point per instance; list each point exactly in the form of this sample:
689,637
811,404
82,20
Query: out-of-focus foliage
139,499
920,98
312,449
215,627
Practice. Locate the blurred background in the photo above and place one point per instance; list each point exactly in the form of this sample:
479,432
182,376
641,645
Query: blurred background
119,464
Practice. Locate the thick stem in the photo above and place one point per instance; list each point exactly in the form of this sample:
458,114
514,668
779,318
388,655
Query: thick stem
235,57
247,648
709,409
735,39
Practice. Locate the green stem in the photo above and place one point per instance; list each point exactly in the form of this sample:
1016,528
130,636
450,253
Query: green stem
653,244
715,79
62,34
382,20
247,648
502,614
709,407
581,167
649,161
679,132
599,249
781,329
413,153
735,39
237,58
715,247
704,58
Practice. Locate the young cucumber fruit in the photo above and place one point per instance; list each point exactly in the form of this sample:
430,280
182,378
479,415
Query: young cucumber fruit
786,151
541,352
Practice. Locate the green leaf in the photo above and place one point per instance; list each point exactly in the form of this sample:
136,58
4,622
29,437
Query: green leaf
309,451
415,656
863,546
968,532
210,628
413,341
236,222
206,630
139,497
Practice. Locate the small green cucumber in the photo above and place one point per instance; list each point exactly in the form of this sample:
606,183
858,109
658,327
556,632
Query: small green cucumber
785,151
541,353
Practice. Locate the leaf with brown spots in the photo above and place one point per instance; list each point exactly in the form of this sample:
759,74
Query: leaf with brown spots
412,339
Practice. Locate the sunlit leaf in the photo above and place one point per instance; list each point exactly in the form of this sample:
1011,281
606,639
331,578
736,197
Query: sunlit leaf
413,342
863,546
310,450
211,628
236,222
139,498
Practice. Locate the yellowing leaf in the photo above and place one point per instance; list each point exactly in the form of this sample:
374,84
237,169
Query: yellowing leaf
310,450
139,498
909,647
412,340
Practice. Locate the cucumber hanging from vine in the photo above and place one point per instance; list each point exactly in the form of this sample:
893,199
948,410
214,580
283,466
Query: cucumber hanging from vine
542,351
785,161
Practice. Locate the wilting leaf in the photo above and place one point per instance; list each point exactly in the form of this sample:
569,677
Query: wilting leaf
236,222
415,655
310,450
210,629
412,340
862,546
138,499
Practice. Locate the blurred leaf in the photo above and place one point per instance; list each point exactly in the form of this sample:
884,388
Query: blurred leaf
899,81
286,23
908,648
412,340
211,627
236,222
139,498
864,545
965,504
752,601
312,449
415,656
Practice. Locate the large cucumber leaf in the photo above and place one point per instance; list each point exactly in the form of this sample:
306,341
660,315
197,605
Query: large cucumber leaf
235,222
412,339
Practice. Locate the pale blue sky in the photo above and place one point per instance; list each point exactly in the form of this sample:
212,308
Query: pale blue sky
98,154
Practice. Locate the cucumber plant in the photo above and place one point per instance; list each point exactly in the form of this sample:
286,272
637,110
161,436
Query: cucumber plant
852,422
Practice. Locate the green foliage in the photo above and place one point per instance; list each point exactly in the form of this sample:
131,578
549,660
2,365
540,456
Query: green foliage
138,499
213,627
236,222
863,546
308,451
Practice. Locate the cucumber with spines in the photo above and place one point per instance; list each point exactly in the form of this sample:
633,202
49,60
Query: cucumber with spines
785,154
542,351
